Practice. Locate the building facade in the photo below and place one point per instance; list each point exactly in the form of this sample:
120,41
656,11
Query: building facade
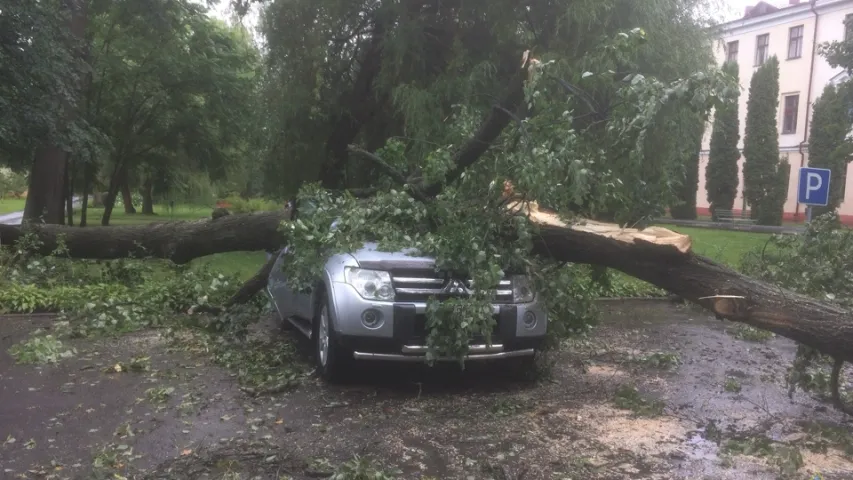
792,33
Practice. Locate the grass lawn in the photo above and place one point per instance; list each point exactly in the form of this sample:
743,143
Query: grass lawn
11,205
161,214
707,218
724,246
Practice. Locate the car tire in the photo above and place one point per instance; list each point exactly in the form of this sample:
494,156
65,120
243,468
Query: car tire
331,359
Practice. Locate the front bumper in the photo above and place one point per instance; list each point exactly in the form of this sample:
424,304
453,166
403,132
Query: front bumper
418,354
401,336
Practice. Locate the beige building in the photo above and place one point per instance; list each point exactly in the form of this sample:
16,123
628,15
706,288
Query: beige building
792,33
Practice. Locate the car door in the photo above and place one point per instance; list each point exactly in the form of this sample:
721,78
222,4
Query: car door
281,294
300,301
304,301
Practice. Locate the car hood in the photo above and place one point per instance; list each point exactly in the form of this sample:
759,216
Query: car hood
369,257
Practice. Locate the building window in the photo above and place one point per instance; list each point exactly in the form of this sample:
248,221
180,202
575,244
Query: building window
795,42
731,51
789,120
848,26
762,49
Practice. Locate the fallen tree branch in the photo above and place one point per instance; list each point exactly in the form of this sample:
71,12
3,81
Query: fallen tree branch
396,175
489,130
249,289
834,386
664,259
392,172
180,242
656,255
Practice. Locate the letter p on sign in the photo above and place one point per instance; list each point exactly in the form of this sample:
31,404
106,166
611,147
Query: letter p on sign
814,186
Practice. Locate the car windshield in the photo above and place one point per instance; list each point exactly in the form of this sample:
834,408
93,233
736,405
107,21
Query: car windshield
306,208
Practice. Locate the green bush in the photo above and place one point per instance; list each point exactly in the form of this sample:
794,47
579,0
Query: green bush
251,205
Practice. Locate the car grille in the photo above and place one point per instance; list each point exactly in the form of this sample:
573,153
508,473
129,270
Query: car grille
421,285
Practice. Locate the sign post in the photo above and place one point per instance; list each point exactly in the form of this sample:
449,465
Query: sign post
813,188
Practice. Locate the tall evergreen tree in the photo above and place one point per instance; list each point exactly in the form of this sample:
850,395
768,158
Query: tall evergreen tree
828,144
721,175
692,130
765,181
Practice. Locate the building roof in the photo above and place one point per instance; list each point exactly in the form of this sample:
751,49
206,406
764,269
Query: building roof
761,8
763,12
839,78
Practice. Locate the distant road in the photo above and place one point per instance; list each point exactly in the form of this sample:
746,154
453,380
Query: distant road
15,218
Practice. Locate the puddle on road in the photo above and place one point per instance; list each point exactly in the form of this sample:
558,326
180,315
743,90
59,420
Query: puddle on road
583,422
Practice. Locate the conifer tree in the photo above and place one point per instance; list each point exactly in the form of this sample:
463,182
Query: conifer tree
828,146
721,173
692,130
764,174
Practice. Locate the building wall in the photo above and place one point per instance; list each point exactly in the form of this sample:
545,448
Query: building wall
793,79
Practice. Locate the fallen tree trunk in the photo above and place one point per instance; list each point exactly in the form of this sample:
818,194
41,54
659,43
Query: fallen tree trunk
180,242
663,258
656,255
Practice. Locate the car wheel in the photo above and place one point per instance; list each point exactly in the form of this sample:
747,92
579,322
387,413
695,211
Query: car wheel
332,360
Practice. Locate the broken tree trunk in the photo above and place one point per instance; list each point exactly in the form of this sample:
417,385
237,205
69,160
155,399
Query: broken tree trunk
663,258
179,242
656,255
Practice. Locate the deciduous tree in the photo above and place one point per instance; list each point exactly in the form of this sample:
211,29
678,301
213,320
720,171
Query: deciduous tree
172,90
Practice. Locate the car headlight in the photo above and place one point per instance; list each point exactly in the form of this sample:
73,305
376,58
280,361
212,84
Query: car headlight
522,290
370,284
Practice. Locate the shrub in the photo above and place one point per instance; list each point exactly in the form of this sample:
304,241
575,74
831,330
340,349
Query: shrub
251,205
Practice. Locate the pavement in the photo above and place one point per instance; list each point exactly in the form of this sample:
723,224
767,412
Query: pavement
183,414
15,218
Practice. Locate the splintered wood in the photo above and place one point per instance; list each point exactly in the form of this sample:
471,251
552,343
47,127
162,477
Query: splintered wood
650,235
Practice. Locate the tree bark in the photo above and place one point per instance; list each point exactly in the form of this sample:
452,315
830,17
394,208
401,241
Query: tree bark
69,192
715,287
825,327
112,193
126,196
179,242
45,201
87,182
359,105
148,197
44,195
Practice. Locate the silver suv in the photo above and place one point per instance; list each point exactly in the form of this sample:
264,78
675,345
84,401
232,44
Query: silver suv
371,305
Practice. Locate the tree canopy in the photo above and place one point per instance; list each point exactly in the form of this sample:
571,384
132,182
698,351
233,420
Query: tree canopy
423,104
39,64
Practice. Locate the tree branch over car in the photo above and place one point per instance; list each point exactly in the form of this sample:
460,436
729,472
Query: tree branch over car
408,135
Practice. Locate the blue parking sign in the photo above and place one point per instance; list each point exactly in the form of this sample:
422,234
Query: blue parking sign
813,188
